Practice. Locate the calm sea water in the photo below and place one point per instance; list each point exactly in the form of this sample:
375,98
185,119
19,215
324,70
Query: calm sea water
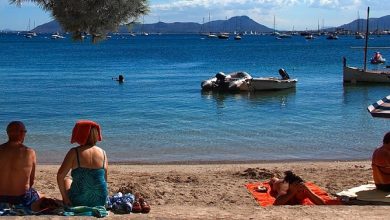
160,114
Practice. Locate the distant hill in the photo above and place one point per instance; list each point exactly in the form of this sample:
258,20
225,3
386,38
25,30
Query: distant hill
382,23
238,23
49,27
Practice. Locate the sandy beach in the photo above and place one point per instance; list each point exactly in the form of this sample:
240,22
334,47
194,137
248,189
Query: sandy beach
216,191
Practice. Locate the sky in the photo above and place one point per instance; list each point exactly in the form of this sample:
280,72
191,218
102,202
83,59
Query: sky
289,14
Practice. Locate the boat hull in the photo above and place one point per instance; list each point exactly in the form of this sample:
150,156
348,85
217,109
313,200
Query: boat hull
258,84
355,75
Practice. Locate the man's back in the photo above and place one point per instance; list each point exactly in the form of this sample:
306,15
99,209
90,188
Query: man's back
17,168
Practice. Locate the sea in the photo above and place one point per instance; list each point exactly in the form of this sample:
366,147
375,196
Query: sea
160,115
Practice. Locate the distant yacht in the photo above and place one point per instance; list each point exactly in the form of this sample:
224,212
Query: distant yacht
285,36
211,35
332,37
223,36
358,35
30,33
309,37
57,36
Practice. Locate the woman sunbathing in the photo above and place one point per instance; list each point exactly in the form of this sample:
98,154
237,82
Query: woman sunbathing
88,185
291,190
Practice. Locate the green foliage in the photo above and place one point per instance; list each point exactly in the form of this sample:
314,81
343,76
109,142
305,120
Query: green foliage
96,17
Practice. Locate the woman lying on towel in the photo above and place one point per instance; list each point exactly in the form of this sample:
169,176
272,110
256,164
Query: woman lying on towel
291,190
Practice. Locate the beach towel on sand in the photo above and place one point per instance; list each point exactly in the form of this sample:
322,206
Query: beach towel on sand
367,192
97,211
265,199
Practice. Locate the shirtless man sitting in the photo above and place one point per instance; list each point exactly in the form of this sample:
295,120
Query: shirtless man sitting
381,165
17,168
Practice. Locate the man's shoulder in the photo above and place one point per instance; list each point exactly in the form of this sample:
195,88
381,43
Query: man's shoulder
29,149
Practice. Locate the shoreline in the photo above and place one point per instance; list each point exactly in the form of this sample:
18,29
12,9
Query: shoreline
221,162
212,191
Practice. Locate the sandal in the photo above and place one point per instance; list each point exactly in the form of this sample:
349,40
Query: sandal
136,207
144,205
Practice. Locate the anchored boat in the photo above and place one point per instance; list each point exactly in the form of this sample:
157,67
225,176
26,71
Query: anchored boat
242,81
354,74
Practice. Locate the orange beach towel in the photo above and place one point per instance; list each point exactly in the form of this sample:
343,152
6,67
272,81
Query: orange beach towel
265,199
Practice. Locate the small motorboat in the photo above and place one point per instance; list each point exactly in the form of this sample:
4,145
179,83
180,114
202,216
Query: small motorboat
332,37
223,36
377,58
236,81
242,81
273,83
57,36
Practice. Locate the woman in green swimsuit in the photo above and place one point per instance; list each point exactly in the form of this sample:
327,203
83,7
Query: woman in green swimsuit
88,165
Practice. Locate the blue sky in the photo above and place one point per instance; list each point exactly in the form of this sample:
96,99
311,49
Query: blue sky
300,14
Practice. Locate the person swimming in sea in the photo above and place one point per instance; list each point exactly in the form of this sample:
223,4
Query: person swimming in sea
120,78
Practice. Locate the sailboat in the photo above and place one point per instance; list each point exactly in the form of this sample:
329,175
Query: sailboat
202,31
29,33
278,35
358,34
354,74
223,34
144,33
210,35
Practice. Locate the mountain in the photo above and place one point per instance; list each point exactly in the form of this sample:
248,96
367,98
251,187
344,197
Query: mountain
382,23
238,23
49,27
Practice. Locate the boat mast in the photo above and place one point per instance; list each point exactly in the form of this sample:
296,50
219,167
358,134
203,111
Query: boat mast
274,25
358,24
366,44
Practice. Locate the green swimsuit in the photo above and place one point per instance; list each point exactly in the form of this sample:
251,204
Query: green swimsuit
89,187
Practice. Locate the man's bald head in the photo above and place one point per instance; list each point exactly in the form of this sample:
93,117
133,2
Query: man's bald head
16,131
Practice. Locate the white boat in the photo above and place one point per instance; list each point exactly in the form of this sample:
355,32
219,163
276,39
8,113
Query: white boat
212,35
285,35
354,74
309,37
359,36
237,37
57,36
242,81
236,81
273,83
332,37
30,34
223,35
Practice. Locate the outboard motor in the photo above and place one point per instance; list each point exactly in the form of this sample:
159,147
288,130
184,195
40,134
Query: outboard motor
284,74
220,76
221,83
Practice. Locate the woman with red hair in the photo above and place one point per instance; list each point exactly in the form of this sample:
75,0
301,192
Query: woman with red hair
87,185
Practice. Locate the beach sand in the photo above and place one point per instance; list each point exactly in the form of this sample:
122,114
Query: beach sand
216,191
